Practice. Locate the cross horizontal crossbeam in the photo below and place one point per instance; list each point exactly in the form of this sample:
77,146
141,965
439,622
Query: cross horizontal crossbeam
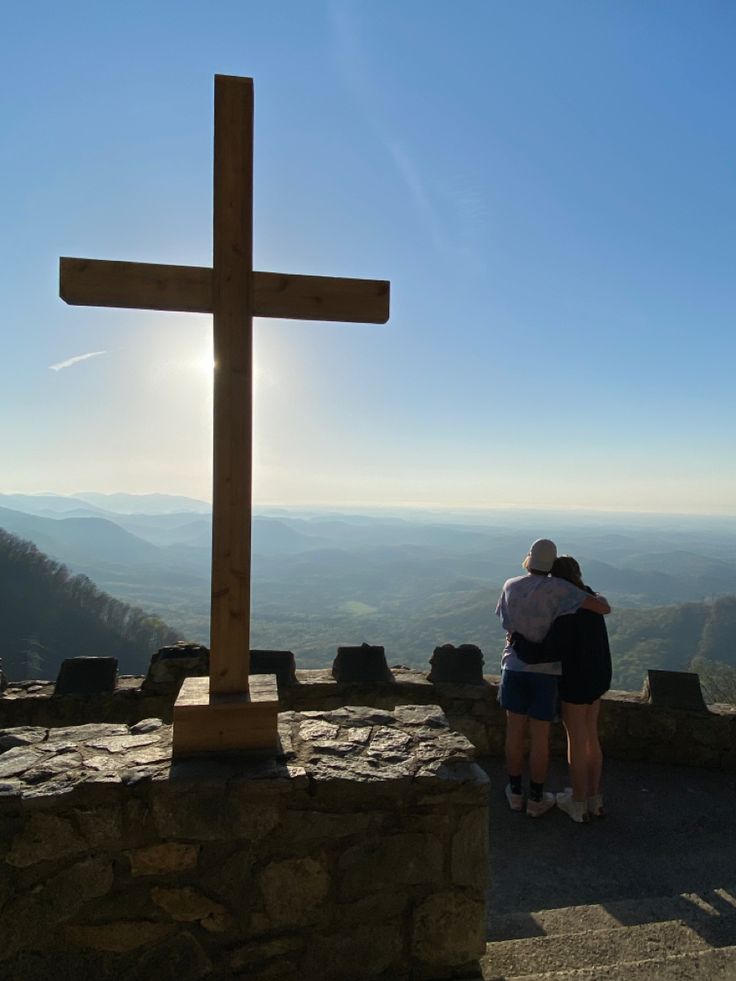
227,711
153,286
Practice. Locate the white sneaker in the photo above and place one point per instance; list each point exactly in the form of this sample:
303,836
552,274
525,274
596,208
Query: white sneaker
516,801
595,806
575,809
536,808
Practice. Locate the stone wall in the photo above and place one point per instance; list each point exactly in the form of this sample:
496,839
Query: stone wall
361,852
631,727
34,703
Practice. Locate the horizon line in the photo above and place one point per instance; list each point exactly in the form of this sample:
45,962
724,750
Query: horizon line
402,505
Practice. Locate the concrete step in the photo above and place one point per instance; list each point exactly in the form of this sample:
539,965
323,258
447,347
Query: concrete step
591,949
715,964
692,908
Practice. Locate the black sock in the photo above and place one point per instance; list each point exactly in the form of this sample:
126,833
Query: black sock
536,791
515,784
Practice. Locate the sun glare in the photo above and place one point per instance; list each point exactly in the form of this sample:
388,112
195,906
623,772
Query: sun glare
205,365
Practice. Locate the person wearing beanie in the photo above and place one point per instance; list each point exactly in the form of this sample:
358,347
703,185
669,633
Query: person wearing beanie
528,605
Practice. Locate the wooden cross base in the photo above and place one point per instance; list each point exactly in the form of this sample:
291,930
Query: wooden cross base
242,721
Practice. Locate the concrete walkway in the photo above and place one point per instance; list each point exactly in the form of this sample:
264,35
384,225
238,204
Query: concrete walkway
669,830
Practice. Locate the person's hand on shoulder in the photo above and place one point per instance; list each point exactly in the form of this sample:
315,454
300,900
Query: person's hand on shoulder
596,604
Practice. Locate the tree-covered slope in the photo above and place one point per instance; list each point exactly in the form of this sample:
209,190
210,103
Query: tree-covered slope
683,637
47,614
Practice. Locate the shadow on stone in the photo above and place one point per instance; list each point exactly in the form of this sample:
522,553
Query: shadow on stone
361,665
280,663
674,690
87,676
461,665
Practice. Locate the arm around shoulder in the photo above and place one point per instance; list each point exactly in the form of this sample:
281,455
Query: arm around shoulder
596,604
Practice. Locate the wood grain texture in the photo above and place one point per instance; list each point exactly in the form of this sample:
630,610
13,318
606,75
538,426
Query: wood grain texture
135,285
150,286
327,298
207,722
233,389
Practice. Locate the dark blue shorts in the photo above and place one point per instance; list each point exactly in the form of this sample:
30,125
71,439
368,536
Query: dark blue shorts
529,693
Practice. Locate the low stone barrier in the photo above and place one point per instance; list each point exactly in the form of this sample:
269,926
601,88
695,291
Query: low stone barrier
34,703
361,852
631,727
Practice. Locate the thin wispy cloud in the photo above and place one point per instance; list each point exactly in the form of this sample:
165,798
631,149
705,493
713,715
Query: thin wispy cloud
60,365
417,189
352,63
452,210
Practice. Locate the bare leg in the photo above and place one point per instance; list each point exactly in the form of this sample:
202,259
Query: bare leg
595,753
574,718
515,729
539,755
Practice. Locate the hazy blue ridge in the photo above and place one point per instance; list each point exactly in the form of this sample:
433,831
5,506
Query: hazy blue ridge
144,503
79,540
410,582
48,505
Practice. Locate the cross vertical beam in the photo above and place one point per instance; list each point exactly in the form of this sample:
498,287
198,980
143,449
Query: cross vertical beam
233,397
228,710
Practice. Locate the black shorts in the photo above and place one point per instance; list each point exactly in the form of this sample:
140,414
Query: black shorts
584,679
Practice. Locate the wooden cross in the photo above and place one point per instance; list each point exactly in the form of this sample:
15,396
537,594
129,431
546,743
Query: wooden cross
227,711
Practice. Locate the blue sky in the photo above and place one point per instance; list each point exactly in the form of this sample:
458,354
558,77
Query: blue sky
549,187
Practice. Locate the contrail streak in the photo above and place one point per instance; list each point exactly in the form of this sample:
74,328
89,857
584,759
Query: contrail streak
75,360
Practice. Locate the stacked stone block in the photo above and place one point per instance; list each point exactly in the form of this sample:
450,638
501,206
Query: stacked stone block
633,726
360,853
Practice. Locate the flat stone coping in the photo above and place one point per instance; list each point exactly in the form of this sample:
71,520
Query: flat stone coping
129,687
43,688
364,745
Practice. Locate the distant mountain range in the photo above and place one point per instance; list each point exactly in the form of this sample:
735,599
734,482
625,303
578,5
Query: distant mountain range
408,581
79,540
90,502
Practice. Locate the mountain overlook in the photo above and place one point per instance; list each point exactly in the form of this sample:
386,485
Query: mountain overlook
409,581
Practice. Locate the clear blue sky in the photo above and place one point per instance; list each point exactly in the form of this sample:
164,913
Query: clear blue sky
549,186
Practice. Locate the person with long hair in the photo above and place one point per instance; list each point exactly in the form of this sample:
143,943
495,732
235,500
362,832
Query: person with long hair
580,642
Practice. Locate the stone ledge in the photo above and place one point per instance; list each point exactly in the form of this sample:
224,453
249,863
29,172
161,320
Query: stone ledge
631,728
367,829
348,744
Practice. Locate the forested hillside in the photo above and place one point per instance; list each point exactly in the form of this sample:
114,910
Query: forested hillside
687,637
47,614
